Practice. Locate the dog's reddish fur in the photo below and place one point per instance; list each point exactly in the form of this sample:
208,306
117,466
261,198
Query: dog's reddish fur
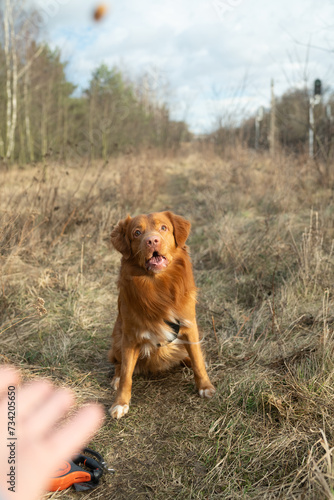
156,285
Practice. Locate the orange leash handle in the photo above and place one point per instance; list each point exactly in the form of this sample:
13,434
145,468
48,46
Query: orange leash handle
68,474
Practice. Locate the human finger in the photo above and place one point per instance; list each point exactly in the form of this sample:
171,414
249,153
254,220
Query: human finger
9,376
43,417
72,436
32,395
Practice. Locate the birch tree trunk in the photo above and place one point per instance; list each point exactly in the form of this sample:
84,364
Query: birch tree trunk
22,146
44,146
8,75
58,145
27,115
11,120
65,131
91,125
2,147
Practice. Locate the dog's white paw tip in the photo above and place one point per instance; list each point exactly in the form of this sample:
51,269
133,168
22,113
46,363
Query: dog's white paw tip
119,411
207,393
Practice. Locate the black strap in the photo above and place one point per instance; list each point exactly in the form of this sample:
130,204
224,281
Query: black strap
175,327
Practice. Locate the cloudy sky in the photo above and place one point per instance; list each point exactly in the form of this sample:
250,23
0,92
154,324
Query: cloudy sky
209,58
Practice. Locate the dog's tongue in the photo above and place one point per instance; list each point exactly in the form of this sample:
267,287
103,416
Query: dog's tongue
156,262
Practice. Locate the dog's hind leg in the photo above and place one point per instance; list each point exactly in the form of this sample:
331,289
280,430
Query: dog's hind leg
186,362
204,386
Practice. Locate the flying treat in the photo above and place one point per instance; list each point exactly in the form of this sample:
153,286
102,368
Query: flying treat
100,12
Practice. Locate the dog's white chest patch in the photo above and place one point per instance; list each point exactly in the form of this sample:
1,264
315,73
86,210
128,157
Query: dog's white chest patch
150,342
146,335
145,350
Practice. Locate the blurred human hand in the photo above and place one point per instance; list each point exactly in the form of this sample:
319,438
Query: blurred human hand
40,444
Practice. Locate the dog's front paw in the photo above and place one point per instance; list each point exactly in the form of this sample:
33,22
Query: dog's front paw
207,392
118,411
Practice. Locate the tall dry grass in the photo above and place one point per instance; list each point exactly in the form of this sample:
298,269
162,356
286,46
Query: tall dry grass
262,249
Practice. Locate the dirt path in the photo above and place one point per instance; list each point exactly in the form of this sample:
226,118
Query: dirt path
157,449
174,193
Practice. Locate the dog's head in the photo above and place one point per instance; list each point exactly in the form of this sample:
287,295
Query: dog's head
151,241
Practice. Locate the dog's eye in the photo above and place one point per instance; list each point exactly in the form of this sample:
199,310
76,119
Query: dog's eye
164,228
137,233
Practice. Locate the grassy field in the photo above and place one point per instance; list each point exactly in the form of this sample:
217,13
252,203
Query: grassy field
262,250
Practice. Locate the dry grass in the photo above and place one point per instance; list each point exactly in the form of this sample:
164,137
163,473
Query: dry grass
262,248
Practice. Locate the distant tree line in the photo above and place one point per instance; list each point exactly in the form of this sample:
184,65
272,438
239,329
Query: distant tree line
41,116
292,126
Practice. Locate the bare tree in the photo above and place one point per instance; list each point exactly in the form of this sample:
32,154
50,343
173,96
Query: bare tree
13,74
11,79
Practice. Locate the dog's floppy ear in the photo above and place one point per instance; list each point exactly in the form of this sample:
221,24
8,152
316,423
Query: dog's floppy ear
181,228
120,239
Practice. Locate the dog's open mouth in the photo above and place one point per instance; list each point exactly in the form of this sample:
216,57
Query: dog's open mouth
156,262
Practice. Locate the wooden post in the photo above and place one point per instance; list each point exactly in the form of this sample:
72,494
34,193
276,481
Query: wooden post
272,133
258,120
316,99
311,129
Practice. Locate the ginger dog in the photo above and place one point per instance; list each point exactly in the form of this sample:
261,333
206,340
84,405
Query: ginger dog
156,325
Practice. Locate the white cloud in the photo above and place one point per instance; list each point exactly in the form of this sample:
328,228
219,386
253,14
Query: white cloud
203,47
